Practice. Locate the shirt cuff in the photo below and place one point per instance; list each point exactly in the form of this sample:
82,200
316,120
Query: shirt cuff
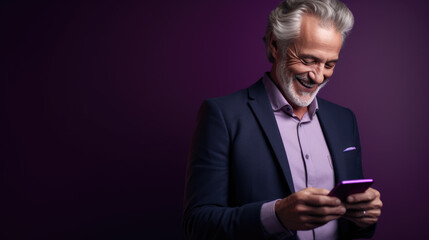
269,220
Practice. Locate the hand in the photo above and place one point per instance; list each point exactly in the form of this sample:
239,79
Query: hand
308,209
364,208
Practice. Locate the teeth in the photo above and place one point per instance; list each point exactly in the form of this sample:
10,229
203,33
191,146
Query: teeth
305,84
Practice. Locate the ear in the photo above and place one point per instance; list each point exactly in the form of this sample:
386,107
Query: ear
273,46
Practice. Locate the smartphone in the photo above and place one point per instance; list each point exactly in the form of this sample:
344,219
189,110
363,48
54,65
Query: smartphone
348,187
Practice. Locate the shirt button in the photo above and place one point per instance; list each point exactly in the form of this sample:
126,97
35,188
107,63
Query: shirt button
306,156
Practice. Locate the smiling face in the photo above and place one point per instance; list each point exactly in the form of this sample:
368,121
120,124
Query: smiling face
308,62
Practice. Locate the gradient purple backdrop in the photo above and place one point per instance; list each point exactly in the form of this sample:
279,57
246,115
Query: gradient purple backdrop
99,103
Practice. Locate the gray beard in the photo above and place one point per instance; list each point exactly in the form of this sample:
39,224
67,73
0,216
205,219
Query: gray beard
300,98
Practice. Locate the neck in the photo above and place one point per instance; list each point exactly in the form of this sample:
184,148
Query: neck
299,111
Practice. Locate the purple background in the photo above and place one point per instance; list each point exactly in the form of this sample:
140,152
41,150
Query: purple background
99,103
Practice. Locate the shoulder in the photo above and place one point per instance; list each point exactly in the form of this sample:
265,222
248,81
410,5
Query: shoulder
230,100
333,109
335,117
237,101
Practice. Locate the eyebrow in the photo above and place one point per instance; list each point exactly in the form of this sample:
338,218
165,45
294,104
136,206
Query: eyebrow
316,58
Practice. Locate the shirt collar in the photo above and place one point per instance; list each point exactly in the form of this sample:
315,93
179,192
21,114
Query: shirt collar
278,101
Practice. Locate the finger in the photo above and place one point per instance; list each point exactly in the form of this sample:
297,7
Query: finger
362,221
358,206
375,213
317,191
320,220
316,197
369,195
323,211
376,204
322,200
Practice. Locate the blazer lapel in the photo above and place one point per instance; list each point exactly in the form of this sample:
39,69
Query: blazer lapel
329,128
261,107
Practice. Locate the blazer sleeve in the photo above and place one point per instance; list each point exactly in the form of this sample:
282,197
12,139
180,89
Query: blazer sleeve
207,213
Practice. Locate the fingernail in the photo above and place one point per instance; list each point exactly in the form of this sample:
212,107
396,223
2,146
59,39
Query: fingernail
350,199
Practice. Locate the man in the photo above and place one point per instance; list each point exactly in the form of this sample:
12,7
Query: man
263,160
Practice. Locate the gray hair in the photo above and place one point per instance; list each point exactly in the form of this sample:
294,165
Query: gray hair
285,21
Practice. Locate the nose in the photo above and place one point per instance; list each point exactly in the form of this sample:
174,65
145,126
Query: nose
317,75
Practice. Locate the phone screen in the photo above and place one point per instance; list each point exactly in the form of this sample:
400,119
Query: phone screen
348,187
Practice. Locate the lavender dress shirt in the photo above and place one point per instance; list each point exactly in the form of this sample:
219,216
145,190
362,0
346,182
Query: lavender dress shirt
308,156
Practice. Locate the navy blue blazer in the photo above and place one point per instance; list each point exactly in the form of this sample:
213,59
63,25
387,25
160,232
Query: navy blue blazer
237,162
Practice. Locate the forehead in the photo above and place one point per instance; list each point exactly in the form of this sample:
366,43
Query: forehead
323,42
